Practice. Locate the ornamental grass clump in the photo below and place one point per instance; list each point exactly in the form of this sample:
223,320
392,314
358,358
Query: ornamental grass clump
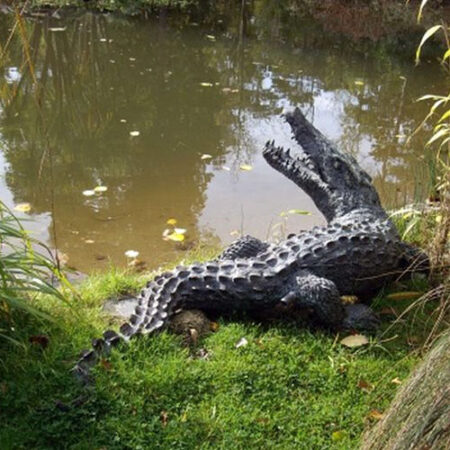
26,270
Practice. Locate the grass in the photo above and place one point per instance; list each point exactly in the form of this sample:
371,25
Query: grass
290,387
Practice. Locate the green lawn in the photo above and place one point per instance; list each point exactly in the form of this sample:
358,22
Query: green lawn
287,388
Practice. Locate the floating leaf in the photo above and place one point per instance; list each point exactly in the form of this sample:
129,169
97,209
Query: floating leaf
100,189
57,29
409,295
89,193
241,343
123,120
206,84
355,340
246,167
359,83
22,207
89,241
131,253
171,221
169,235
134,133
297,211
205,156
210,37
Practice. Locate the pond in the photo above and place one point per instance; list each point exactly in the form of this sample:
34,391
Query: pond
171,117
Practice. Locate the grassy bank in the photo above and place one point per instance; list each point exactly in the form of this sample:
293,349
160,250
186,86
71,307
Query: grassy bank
289,387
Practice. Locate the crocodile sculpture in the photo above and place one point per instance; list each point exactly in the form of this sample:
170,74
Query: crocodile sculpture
356,254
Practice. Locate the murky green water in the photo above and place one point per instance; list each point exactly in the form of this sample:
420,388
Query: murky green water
190,92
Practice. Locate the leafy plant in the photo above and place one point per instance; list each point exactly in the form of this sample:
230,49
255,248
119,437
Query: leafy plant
25,271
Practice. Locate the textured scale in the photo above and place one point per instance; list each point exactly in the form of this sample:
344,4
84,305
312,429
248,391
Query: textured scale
356,254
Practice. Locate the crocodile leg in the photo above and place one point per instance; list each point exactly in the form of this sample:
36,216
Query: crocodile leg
319,294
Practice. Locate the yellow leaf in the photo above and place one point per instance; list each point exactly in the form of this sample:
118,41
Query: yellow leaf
425,37
89,241
396,381
246,167
171,222
134,133
349,299
176,237
22,207
355,340
89,193
99,189
375,414
408,295
206,84
337,435
438,218
299,211
205,156
359,83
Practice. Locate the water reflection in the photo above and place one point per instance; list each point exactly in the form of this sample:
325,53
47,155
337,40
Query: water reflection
188,94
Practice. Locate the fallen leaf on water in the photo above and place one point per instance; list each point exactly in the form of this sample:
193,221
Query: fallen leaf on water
169,235
164,417
241,343
132,59
396,381
210,37
364,385
134,133
103,40
299,211
206,84
226,89
39,339
171,221
99,189
57,29
22,207
349,299
131,253
89,241
205,156
375,414
355,340
246,167
89,193
359,83
123,120
409,295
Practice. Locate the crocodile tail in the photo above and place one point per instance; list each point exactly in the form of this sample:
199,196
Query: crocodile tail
152,313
